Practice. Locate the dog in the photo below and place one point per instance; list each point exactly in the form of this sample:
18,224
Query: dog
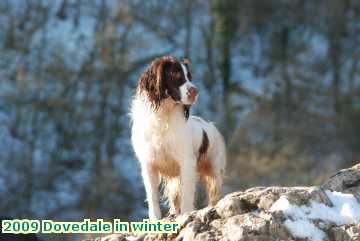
172,145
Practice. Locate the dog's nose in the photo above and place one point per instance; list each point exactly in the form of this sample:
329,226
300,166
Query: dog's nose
193,91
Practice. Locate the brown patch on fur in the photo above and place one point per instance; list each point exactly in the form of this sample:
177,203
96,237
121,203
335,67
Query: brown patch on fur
170,169
205,168
204,144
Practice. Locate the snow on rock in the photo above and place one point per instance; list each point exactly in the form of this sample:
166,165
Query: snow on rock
346,205
345,210
303,228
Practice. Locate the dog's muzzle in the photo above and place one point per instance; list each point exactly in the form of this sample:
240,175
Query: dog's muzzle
192,92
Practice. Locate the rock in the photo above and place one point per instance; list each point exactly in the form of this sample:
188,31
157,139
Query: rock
346,181
250,215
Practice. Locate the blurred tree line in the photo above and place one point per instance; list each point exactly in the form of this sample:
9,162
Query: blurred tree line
280,78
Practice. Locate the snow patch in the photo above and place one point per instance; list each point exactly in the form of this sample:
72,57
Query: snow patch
303,228
345,210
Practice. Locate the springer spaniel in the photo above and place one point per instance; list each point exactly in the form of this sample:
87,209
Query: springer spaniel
171,144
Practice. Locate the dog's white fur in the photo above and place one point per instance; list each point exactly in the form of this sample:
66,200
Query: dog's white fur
167,145
184,88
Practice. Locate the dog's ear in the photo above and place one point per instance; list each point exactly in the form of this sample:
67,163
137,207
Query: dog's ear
152,81
161,76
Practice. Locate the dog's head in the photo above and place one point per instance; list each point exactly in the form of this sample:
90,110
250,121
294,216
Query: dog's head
168,78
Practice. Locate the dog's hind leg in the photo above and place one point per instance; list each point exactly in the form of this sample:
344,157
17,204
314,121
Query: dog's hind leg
172,193
213,185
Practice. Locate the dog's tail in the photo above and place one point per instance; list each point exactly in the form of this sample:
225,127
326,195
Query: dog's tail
172,194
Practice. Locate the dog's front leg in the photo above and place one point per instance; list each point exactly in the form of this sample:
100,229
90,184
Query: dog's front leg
152,182
188,184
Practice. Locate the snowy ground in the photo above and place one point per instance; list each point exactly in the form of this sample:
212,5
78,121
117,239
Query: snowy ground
345,210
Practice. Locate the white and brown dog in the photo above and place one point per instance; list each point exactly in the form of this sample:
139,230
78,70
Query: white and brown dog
171,144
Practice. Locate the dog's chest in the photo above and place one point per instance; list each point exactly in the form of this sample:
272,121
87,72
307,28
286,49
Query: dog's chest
168,145
164,156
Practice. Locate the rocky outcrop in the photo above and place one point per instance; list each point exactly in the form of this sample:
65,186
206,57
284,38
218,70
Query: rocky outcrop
346,180
274,214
